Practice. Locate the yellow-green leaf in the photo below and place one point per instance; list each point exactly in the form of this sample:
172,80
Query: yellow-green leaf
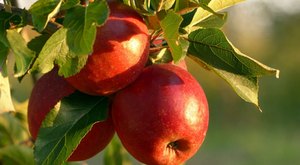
215,5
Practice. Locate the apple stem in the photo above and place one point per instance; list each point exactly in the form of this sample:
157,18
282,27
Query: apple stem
173,145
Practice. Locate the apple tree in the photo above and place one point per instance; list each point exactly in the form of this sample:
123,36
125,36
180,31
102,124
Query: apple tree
102,66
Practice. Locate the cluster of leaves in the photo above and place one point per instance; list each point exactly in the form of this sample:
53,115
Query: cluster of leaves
67,30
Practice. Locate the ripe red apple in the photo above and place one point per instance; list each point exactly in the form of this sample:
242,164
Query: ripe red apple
120,53
162,117
48,90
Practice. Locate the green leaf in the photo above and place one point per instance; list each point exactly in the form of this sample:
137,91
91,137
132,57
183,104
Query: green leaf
37,43
57,51
170,24
42,11
16,155
5,95
76,116
13,20
163,56
82,23
12,130
115,154
3,54
159,5
246,87
206,2
71,65
213,21
141,6
185,6
207,8
23,55
214,5
69,4
4,24
187,18
211,46
167,4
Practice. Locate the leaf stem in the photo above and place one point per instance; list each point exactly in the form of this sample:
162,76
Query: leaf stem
155,34
156,49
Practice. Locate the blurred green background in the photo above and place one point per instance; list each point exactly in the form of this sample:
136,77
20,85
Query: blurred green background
239,134
267,30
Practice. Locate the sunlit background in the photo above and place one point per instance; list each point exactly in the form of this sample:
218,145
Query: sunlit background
239,134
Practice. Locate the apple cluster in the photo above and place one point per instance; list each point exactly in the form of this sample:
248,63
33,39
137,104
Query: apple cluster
159,112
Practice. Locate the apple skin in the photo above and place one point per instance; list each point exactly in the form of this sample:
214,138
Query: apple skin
50,89
120,53
161,118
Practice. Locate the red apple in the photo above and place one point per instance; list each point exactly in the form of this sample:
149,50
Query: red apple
50,89
162,117
120,53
